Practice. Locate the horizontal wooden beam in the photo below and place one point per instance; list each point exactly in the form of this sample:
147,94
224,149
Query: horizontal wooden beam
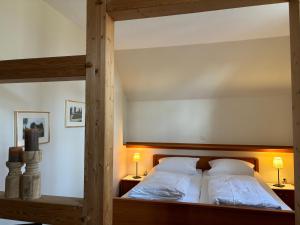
43,69
213,147
137,9
47,210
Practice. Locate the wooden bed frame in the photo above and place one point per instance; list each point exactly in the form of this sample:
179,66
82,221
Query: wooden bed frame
144,212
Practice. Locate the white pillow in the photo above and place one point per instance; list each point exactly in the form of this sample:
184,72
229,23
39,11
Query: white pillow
186,165
230,167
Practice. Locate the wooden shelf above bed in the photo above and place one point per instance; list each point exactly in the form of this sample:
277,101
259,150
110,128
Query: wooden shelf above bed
213,147
47,210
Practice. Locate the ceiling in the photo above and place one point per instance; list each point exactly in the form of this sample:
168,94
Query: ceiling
75,10
198,28
231,69
227,53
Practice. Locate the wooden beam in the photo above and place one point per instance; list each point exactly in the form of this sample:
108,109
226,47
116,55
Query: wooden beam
100,112
295,56
48,210
213,147
137,9
142,212
43,69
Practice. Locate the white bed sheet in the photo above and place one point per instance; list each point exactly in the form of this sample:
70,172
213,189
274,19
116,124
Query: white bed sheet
204,190
194,189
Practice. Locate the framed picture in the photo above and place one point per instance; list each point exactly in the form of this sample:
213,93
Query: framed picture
74,114
29,119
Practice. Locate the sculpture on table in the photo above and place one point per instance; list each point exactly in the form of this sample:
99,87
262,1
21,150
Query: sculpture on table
28,185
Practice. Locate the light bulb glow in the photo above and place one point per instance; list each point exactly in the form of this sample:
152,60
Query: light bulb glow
136,157
278,162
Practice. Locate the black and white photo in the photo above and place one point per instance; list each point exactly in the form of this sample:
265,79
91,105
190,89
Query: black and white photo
75,114
30,119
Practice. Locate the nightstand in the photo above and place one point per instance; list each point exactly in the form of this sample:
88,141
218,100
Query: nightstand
286,193
127,183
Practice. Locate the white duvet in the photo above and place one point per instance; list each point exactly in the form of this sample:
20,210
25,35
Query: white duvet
240,191
161,185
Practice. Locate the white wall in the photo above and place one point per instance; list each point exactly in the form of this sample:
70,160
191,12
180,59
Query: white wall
63,163
120,153
257,121
32,28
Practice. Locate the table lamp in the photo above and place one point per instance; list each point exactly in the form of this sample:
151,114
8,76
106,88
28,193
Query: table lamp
278,164
136,159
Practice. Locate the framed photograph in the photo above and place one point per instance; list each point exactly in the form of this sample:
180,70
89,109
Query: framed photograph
29,119
74,114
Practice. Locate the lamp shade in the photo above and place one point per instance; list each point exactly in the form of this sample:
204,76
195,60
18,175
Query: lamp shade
278,162
136,157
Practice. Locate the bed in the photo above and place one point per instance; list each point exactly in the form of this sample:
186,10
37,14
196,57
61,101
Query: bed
197,190
190,212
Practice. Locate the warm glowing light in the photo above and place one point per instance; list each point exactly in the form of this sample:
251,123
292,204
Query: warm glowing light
278,162
136,157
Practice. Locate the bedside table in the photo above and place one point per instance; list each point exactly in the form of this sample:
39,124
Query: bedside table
286,193
127,183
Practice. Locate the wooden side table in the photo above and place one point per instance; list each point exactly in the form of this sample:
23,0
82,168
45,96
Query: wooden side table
127,183
286,193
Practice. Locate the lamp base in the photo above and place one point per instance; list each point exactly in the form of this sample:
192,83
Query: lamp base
278,185
136,177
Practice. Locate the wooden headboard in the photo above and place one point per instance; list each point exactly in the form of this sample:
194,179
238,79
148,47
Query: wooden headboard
203,162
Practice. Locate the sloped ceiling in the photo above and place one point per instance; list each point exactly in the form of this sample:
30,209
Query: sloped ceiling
202,28
227,53
210,27
75,10
231,69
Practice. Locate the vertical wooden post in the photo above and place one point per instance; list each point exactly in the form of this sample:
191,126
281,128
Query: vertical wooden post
295,56
99,115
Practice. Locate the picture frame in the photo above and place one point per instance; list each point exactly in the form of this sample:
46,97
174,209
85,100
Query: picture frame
32,119
74,114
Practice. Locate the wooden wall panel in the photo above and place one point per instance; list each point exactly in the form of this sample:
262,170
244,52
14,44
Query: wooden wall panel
43,69
295,55
137,9
99,126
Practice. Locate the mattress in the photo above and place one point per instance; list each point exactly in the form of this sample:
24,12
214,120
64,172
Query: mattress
194,189
204,190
